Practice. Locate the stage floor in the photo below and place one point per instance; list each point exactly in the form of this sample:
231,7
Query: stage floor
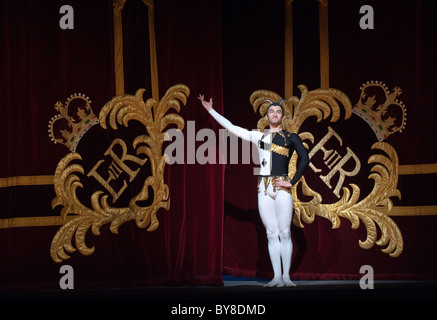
245,290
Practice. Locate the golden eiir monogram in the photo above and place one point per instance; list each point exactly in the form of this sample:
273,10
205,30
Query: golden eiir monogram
116,170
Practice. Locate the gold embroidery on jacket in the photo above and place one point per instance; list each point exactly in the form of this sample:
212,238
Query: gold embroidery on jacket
280,150
274,147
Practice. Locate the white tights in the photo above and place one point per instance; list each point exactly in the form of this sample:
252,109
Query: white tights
276,211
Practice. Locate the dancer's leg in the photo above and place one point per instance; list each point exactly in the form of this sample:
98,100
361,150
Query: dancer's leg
266,207
284,214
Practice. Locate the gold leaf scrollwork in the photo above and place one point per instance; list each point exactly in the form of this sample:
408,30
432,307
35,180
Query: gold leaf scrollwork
373,209
320,103
120,110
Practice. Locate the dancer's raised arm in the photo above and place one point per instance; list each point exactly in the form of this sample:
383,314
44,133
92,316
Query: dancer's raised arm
225,123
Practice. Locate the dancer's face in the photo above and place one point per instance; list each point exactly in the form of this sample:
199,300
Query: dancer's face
274,115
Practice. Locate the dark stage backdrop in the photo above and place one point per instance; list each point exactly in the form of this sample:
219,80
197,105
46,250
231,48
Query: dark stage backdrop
399,51
226,50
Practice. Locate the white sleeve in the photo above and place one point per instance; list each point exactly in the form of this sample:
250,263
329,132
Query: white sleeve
225,123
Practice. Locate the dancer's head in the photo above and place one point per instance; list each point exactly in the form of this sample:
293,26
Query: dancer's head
275,112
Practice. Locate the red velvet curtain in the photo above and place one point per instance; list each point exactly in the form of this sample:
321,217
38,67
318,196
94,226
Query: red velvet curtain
41,64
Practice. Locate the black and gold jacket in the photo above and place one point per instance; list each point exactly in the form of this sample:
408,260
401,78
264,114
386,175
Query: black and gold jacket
281,148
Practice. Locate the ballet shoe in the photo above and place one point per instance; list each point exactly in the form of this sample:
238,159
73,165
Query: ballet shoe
287,282
276,282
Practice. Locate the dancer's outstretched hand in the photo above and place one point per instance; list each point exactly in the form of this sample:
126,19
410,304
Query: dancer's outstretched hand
206,104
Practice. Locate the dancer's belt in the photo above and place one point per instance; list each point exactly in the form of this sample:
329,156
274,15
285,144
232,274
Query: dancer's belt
267,179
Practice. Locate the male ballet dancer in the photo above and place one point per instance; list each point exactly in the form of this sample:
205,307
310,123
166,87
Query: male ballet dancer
275,202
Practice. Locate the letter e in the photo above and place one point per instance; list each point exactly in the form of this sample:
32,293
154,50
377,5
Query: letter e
67,20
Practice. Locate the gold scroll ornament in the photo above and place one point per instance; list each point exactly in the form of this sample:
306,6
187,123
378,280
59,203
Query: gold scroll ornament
374,208
120,110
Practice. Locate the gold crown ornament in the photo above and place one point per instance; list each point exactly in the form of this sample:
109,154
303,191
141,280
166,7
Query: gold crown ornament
75,118
381,109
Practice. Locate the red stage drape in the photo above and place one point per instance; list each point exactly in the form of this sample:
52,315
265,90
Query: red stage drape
41,64
399,51
225,50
